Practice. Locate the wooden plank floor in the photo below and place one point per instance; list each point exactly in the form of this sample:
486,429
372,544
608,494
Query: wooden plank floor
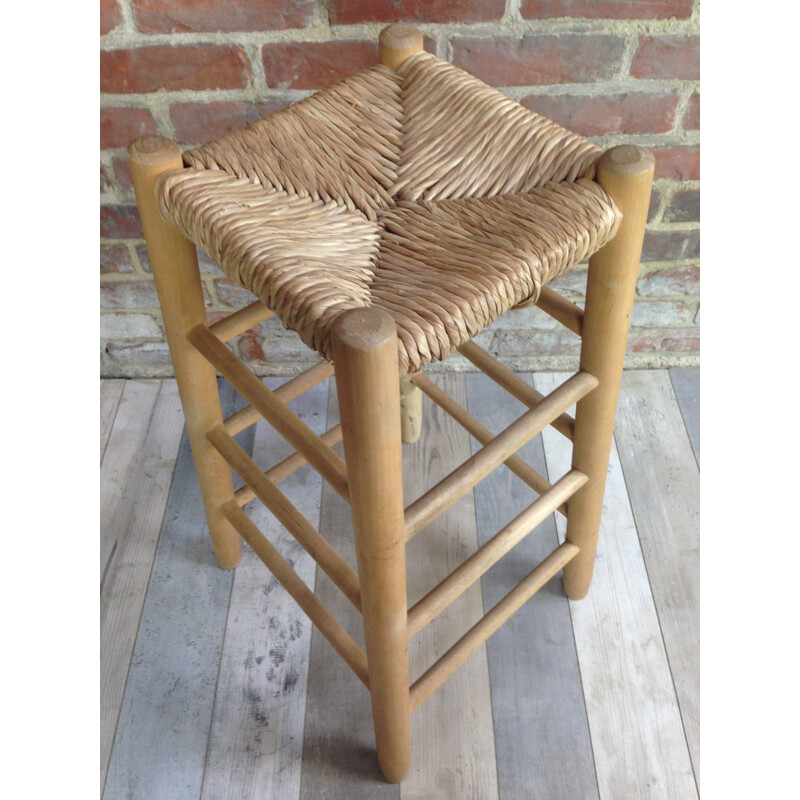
214,685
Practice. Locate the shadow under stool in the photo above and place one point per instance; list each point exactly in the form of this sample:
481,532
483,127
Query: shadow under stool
387,220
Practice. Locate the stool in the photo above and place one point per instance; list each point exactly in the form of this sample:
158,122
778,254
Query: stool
388,220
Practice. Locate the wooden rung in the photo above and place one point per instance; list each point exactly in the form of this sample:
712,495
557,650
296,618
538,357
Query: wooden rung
517,465
248,416
513,384
458,581
485,627
276,501
283,419
305,598
283,469
241,321
561,309
505,444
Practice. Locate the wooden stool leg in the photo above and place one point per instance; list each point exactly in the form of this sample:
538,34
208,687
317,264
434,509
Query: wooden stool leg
173,259
626,173
365,359
410,411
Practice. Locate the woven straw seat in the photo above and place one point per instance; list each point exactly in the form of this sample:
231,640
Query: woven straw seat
423,192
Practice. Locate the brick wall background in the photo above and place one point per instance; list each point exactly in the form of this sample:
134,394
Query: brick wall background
613,70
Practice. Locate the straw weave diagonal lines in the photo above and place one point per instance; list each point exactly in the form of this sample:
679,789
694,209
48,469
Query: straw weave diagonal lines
423,191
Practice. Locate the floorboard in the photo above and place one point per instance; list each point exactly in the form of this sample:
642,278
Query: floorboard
256,743
162,735
540,726
110,395
664,488
215,686
453,748
686,383
637,735
121,457
136,525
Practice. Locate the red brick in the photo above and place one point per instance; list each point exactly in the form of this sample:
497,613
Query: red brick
196,123
148,69
661,313
607,9
134,294
348,12
182,16
679,163
655,203
670,282
315,65
664,340
685,207
691,122
145,354
205,263
231,294
120,222
667,57
122,173
120,126
250,348
115,258
110,15
634,112
106,179
671,245
572,285
540,59
128,294
540,343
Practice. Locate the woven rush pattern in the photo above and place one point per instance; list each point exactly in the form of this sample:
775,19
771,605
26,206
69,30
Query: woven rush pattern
424,192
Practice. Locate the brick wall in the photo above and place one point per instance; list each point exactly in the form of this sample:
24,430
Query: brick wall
614,70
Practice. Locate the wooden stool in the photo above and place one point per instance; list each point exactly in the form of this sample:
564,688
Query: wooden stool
388,220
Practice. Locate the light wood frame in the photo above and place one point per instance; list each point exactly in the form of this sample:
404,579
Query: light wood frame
379,410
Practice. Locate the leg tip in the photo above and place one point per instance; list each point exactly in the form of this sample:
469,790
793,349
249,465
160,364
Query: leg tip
573,590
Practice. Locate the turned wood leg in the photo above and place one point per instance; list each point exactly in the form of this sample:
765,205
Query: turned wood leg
626,173
173,259
410,410
365,360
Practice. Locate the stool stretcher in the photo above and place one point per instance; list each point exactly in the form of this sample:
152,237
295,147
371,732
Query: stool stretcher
517,465
283,419
283,469
458,581
489,623
513,384
248,416
305,598
436,500
561,309
287,514
241,321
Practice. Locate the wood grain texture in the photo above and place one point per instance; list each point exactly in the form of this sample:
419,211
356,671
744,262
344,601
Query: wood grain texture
110,395
121,457
162,735
541,730
453,747
686,383
637,736
136,525
256,743
664,489
339,759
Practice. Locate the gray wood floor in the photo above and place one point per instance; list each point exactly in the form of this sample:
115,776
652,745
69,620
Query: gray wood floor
214,685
